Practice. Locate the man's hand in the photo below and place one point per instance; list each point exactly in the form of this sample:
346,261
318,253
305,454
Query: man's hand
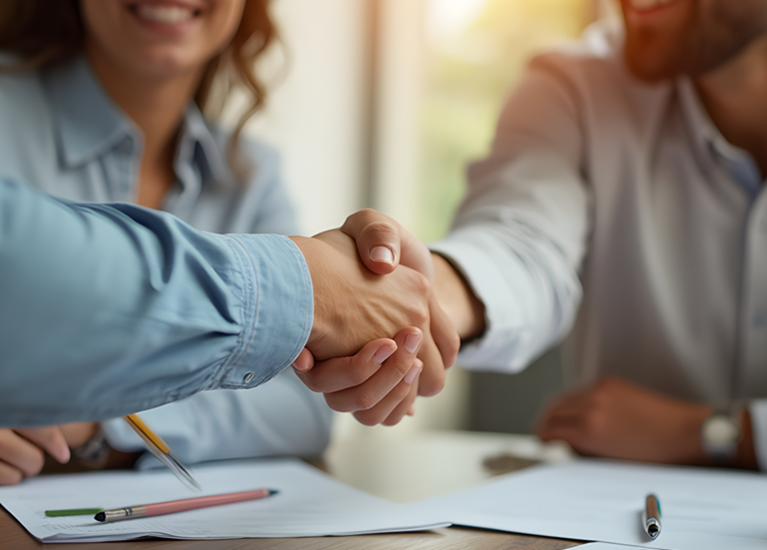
383,244
22,452
353,306
616,419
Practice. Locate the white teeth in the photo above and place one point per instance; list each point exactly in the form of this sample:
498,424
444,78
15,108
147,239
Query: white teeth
646,5
164,14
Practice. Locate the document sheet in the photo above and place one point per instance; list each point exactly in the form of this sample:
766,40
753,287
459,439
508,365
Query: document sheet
595,500
309,503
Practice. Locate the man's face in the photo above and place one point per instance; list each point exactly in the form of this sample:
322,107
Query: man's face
666,38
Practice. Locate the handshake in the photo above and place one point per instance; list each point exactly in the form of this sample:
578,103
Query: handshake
380,337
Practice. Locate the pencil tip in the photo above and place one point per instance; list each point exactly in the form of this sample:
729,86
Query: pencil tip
101,516
273,492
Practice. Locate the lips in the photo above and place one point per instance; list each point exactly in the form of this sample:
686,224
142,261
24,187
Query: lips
166,14
649,5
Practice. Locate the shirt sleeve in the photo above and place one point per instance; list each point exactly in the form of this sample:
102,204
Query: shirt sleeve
279,418
520,235
112,309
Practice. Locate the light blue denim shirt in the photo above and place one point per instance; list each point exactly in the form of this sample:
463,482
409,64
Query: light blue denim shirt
61,133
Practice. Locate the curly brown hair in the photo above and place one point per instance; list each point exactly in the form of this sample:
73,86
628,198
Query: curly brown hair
44,32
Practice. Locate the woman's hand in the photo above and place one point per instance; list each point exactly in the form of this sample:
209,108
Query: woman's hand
22,451
379,384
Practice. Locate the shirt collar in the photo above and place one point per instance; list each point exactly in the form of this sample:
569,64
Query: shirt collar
198,145
87,121
89,124
711,144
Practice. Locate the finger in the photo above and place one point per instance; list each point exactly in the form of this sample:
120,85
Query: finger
398,367
404,407
561,424
10,475
444,334
304,362
432,378
51,439
341,373
17,452
403,392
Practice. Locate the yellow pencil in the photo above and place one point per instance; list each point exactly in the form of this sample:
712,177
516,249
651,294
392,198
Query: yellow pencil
161,450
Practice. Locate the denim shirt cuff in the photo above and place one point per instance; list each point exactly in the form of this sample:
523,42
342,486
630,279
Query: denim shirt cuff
278,311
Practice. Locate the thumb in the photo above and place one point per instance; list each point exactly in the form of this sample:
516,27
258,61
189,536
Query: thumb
305,361
383,244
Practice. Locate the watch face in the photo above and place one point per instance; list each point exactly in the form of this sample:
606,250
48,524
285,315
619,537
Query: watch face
720,434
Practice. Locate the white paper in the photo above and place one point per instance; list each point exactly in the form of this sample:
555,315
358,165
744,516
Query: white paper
594,500
604,546
309,503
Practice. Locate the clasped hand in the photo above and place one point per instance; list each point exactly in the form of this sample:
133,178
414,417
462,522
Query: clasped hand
372,278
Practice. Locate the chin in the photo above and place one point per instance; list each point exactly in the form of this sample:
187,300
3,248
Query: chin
165,62
648,70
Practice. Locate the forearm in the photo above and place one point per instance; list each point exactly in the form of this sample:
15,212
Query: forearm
112,309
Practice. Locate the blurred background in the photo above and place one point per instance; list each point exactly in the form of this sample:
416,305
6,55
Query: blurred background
382,103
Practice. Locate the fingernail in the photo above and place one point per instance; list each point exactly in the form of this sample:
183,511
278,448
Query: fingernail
382,254
412,341
383,353
412,373
411,410
295,368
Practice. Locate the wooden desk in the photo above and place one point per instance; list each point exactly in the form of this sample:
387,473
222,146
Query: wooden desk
401,468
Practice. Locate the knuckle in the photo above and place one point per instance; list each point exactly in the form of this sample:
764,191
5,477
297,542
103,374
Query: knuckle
358,376
34,463
10,476
382,231
363,401
400,392
431,385
393,420
452,347
422,283
366,418
403,365
419,315
337,405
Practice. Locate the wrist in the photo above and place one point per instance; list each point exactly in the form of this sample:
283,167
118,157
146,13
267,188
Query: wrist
727,439
456,297
746,454
307,247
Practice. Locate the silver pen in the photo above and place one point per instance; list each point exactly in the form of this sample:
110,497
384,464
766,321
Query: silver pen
652,516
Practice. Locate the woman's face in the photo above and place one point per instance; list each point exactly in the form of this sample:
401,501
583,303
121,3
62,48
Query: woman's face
160,38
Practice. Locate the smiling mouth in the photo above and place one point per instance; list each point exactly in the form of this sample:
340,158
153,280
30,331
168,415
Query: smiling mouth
169,14
649,5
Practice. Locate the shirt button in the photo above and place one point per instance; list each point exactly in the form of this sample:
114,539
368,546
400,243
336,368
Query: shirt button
758,321
125,145
247,377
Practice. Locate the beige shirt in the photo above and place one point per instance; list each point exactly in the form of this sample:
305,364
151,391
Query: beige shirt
615,214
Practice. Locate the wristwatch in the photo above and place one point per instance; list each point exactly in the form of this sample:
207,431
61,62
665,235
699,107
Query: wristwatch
93,453
720,434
